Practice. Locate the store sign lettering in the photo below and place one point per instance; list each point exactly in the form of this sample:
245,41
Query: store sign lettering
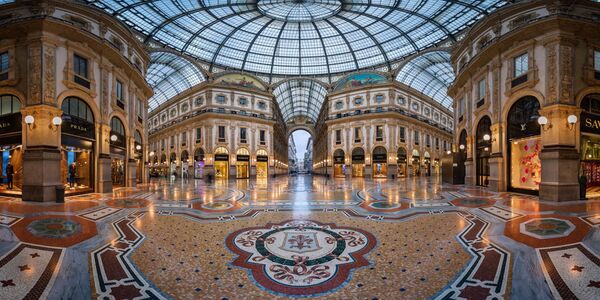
4,125
77,127
591,123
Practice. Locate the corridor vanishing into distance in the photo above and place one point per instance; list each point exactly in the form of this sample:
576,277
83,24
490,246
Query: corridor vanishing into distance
299,236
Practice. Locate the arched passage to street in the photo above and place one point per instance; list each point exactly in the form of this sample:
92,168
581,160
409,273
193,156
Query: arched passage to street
300,154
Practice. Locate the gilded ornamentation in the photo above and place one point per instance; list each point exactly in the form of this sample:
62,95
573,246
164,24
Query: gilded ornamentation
104,74
551,73
566,73
49,73
35,74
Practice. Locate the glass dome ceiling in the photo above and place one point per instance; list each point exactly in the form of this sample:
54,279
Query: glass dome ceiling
431,74
298,37
300,97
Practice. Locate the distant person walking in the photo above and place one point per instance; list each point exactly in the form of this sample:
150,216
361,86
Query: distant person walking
9,175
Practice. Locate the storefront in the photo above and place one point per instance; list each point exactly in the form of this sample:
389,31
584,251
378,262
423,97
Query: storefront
358,162
118,151
199,163
416,163
379,162
173,164
78,138
185,161
401,160
426,164
483,145
262,163
339,165
590,143
163,168
524,143
242,164
221,163
138,156
10,144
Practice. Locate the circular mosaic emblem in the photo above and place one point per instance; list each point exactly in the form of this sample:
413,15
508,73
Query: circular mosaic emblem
301,257
54,228
384,205
128,203
546,228
473,202
217,205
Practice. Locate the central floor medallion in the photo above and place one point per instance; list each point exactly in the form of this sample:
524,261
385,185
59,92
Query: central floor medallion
300,257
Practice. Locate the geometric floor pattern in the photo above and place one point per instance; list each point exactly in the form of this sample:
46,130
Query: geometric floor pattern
301,237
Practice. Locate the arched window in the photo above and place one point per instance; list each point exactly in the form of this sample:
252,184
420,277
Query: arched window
338,156
242,151
137,137
261,152
9,104
199,154
116,126
522,118
76,107
221,150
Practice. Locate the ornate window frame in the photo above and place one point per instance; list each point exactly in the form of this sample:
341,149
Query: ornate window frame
84,51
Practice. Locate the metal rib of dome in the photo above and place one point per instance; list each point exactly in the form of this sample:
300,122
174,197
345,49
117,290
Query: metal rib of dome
306,37
430,73
170,74
300,98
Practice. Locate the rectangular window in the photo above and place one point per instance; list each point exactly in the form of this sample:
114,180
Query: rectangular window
198,134
338,137
428,140
183,138
243,101
139,109
379,99
481,90
4,62
243,135
119,91
80,66
597,60
437,144
402,135
221,99
378,133
521,64
445,146
461,107
357,135
164,142
222,134
172,141
262,137
416,137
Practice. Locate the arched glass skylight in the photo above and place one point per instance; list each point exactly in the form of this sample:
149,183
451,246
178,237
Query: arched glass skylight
170,74
431,74
300,98
300,37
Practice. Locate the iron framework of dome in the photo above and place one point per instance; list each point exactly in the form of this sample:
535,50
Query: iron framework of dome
300,97
298,37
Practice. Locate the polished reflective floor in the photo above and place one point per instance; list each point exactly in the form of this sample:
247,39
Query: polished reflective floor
300,236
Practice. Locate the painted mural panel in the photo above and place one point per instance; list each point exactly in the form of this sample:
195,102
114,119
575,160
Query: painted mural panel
360,79
240,80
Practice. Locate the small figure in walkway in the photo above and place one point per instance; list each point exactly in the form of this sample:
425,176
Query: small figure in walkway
9,175
72,172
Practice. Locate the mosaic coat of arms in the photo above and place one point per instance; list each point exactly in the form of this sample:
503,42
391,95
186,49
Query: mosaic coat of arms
300,257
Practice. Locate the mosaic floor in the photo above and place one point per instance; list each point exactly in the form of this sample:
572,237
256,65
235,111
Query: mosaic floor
300,237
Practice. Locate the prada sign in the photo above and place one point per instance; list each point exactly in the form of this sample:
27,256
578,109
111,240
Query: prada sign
10,123
590,123
262,158
76,126
222,157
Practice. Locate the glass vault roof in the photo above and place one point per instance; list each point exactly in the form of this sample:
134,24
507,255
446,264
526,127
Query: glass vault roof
170,74
431,74
298,37
300,98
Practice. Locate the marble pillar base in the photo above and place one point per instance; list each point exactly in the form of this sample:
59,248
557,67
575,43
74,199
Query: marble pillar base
132,174
104,180
469,174
560,169
42,168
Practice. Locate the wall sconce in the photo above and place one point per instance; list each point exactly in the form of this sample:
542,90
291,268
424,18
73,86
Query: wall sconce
151,153
486,137
461,147
138,147
56,122
571,120
543,121
29,119
113,138
448,152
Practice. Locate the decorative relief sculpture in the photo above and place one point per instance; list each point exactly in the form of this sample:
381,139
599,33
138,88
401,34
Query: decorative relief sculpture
35,74
49,73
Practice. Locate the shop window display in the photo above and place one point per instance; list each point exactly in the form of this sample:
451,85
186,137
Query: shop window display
358,162
339,166
262,164
242,165
523,134
78,138
379,162
221,163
